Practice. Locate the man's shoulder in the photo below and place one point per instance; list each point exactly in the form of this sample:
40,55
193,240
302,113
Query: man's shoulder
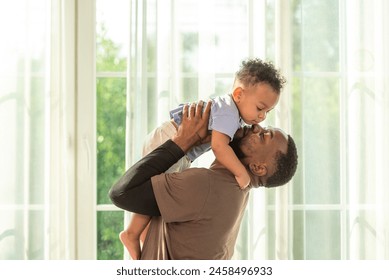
205,177
187,177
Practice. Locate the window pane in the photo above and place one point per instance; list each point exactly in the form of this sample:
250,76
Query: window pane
222,86
111,35
321,125
24,99
320,19
189,90
36,240
111,116
362,99
109,225
298,229
322,235
363,239
297,134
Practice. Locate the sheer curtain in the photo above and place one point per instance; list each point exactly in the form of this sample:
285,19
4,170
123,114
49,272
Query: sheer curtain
340,104
36,198
366,107
334,54
182,51
335,57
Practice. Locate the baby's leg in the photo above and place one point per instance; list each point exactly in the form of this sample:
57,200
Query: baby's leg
131,236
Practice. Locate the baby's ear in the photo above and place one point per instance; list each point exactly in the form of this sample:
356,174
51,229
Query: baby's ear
237,94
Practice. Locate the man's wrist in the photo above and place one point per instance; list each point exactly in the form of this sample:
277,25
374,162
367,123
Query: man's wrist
184,143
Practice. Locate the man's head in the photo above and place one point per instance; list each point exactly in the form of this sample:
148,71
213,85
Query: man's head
257,88
269,154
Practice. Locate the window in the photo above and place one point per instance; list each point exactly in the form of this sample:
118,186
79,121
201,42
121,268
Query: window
181,51
83,82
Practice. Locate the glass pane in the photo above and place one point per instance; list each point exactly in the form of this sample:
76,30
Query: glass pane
18,242
363,235
322,235
112,35
189,51
298,229
297,33
320,19
37,141
189,89
271,234
297,134
362,99
36,241
109,225
270,33
11,235
222,86
231,34
321,125
23,106
111,117
242,244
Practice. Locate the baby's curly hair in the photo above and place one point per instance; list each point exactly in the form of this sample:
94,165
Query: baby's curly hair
254,71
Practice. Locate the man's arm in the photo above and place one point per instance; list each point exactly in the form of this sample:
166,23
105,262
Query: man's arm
133,192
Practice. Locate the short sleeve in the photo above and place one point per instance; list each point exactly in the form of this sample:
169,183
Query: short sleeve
181,196
224,116
225,124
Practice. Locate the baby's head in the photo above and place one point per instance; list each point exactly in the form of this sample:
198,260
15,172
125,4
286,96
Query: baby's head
257,89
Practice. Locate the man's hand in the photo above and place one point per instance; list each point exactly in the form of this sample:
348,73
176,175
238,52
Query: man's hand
194,126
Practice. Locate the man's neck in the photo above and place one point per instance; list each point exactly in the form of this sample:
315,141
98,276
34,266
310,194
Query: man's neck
216,165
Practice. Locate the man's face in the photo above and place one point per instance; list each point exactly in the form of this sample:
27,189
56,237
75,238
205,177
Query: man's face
260,145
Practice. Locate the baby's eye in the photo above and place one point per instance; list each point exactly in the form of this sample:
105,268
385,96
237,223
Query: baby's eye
259,109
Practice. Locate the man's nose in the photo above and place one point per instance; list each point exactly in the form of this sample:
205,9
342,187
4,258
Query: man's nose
256,128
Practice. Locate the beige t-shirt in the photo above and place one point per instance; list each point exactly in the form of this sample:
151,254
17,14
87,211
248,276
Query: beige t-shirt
201,212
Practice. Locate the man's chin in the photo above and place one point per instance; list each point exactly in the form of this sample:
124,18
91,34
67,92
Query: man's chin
235,145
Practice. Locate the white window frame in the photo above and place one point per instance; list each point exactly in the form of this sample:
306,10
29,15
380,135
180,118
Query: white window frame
85,122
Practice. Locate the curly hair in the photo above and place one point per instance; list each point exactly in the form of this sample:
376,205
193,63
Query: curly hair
254,71
286,165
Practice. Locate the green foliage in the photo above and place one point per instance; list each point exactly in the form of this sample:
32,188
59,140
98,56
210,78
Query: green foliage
110,115
108,53
109,225
111,108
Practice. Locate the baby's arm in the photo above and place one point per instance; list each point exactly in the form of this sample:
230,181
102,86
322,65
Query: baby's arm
226,156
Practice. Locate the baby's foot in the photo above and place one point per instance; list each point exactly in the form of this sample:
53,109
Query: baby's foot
131,243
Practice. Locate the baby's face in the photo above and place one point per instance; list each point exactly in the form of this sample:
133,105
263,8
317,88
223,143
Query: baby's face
256,101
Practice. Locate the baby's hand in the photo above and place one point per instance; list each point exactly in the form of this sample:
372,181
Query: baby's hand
243,180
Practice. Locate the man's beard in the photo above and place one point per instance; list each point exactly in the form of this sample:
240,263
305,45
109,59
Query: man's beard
235,145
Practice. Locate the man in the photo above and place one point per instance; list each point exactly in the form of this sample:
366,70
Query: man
198,212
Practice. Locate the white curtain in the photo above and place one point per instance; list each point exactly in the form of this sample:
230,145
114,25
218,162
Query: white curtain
334,54
36,195
366,152
335,57
183,51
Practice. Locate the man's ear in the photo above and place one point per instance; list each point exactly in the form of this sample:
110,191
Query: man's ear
237,94
258,169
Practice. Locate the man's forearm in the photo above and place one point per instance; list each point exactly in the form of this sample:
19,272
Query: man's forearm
133,192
